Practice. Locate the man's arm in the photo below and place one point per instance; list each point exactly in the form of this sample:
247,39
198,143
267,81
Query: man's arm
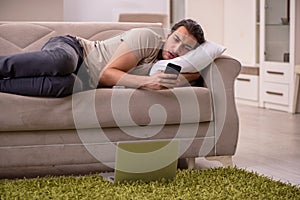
115,73
186,78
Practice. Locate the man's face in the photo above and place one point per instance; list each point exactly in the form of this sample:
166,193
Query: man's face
178,43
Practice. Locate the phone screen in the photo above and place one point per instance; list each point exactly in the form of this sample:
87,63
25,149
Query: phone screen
172,69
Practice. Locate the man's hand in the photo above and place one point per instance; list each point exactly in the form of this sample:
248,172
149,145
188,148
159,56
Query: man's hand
160,81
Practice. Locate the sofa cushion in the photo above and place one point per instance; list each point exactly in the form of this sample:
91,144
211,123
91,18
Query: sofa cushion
105,108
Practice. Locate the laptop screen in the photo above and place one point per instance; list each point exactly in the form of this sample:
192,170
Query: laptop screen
146,160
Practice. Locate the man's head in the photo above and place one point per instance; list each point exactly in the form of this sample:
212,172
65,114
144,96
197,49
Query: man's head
185,36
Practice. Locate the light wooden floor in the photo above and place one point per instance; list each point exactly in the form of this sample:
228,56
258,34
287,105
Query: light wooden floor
269,144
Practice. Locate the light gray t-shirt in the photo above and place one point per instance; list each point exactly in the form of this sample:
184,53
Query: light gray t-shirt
143,42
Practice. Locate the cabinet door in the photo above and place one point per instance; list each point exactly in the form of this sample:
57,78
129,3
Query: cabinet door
246,87
276,93
276,25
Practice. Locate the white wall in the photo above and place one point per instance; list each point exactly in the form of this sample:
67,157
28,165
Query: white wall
209,14
228,22
31,10
240,30
109,10
76,10
178,10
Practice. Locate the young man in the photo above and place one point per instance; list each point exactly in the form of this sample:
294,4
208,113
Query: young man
68,64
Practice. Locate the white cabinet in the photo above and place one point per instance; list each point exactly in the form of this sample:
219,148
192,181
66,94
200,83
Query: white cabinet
246,88
278,49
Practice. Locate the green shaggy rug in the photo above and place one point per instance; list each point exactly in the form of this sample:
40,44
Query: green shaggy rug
220,183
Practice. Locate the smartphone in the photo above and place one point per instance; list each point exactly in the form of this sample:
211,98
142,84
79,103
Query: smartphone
172,69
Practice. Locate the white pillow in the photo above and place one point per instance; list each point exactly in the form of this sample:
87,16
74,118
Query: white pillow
193,61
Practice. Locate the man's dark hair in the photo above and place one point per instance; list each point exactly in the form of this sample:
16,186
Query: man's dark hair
193,28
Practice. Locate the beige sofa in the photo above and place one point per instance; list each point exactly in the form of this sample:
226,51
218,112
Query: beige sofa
146,17
77,134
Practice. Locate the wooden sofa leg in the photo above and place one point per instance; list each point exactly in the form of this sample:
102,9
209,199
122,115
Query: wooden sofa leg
191,163
225,160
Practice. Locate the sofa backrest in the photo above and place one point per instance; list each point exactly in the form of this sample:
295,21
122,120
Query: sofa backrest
162,18
17,37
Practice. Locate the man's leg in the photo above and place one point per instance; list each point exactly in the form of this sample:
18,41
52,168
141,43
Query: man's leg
57,58
43,86
55,62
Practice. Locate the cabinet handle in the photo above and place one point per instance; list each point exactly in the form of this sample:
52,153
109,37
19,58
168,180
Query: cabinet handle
275,73
243,79
274,93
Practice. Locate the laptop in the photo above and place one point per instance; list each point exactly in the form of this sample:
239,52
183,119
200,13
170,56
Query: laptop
146,161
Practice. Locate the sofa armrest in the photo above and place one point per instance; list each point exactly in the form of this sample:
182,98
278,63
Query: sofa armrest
219,77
